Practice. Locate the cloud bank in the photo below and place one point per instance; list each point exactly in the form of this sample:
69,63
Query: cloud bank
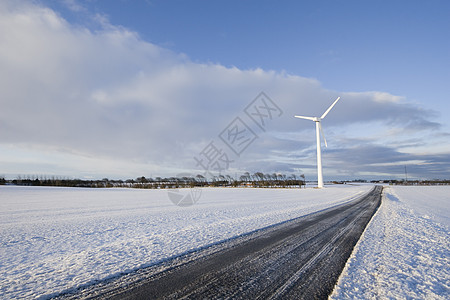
97,102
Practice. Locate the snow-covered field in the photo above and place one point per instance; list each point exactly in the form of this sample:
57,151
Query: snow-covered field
53,239
405,251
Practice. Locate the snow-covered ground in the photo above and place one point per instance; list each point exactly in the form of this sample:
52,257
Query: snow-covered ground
405,251
53,239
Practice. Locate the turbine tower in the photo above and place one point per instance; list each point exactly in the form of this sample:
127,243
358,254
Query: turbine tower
319,132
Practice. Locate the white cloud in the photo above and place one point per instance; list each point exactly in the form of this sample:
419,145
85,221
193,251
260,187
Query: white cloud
74,5
108,94
382,97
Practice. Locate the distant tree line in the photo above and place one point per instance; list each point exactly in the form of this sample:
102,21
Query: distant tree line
257,179
418,182
401,182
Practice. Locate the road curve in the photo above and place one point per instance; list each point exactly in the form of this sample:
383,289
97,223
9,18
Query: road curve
298,259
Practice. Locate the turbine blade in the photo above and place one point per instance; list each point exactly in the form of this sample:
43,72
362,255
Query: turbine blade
306,118
323,135
329,108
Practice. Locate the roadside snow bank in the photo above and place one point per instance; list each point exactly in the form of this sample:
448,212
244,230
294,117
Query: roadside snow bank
53,239
405,251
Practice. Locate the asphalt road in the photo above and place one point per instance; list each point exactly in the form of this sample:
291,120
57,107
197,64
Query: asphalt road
298,259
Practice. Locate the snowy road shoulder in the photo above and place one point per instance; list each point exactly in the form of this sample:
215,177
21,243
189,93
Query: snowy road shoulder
405,250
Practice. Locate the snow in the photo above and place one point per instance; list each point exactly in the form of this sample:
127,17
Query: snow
54,239
405,251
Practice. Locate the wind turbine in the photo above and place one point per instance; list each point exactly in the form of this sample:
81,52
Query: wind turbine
319,132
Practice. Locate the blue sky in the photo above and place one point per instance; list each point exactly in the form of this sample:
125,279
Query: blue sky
395,46
130,88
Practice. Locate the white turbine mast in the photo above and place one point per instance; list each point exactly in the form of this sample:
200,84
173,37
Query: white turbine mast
319,132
